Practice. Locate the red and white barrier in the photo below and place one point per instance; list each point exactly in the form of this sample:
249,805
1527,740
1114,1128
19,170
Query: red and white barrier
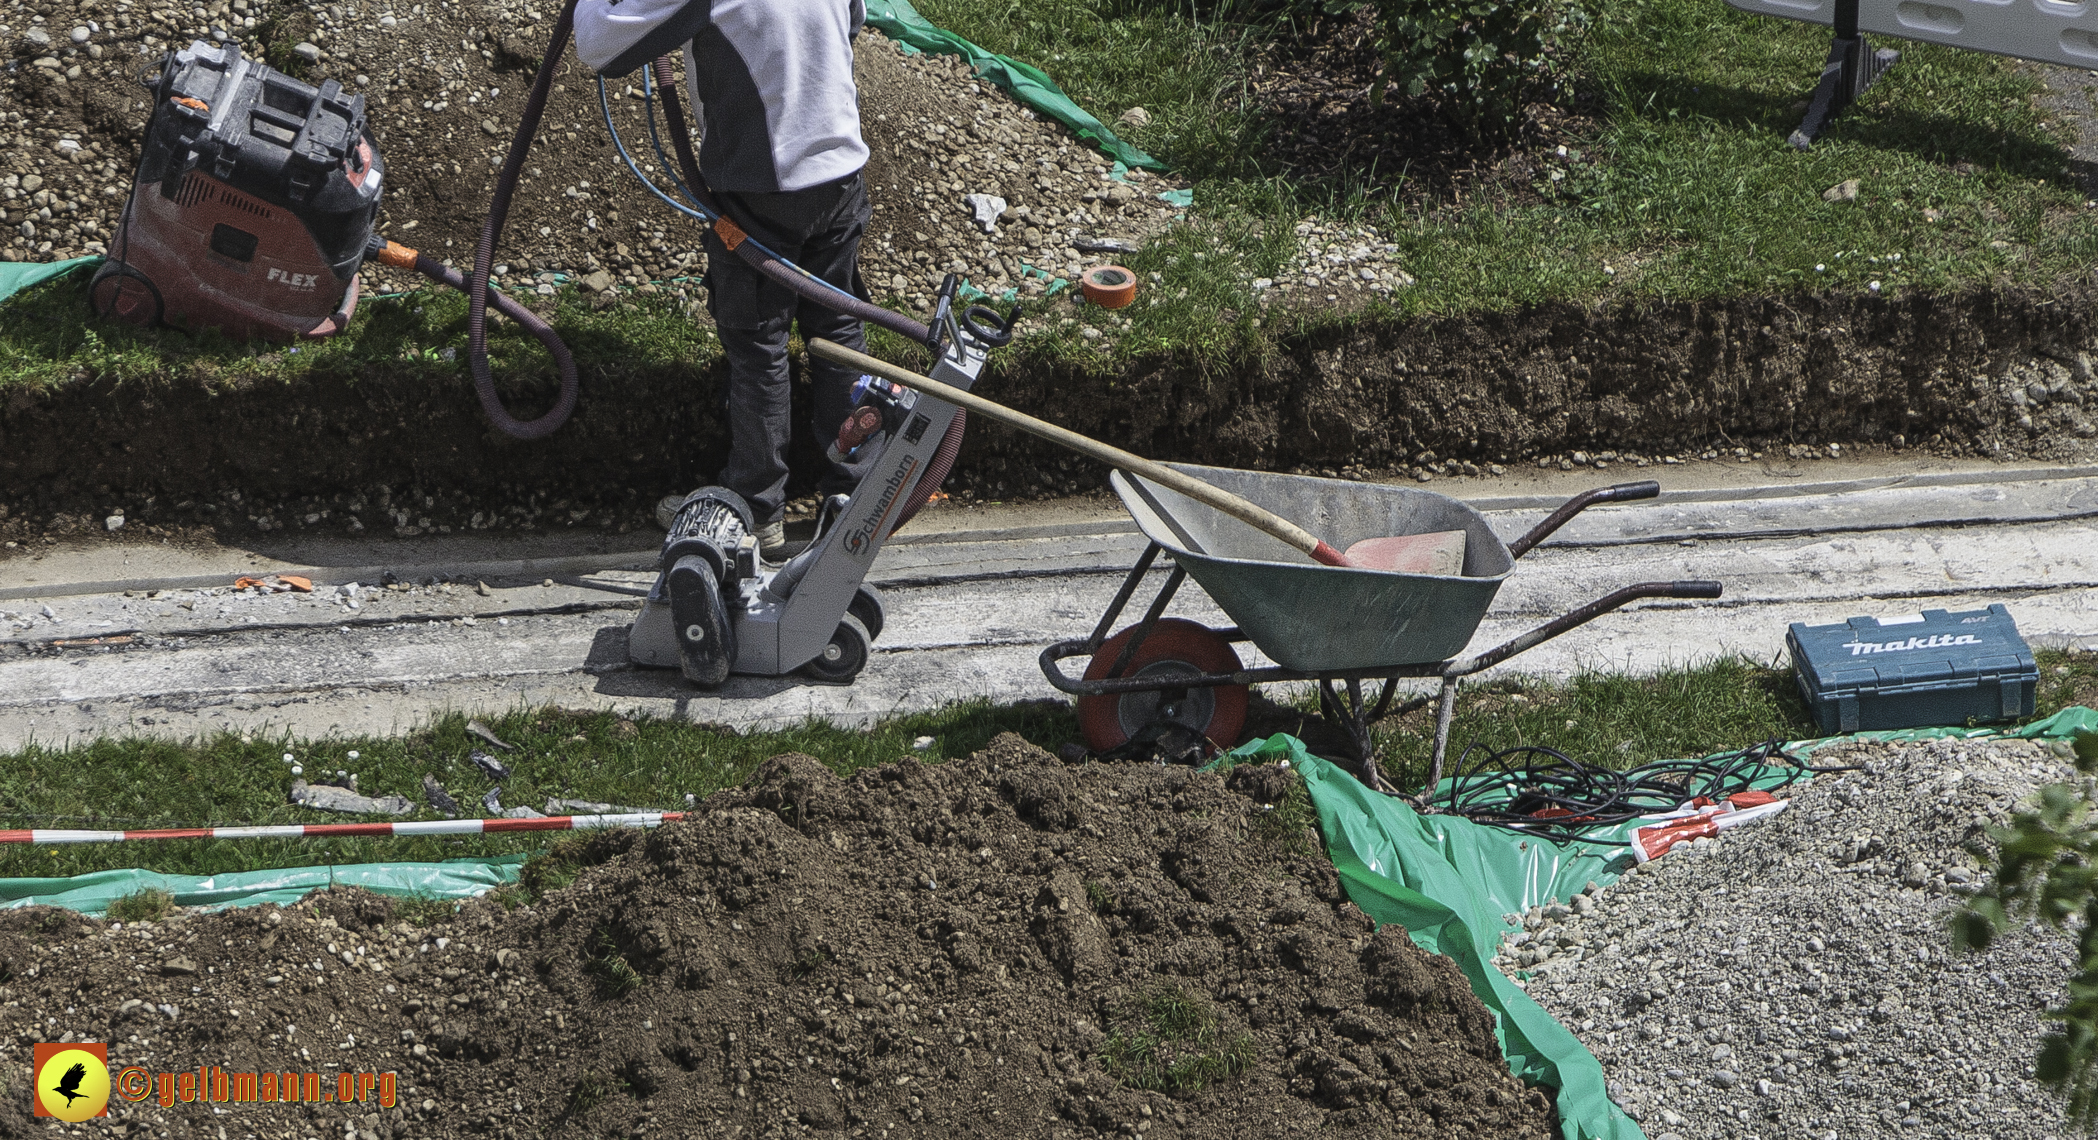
325,830
1704,820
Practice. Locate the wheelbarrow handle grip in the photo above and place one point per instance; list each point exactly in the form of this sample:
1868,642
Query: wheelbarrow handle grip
1644,489
1695,588
1624,492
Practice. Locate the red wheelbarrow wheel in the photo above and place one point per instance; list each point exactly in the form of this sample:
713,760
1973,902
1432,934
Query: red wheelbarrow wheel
1175,646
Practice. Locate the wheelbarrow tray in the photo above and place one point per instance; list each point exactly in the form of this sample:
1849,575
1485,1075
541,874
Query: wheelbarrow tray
1311,617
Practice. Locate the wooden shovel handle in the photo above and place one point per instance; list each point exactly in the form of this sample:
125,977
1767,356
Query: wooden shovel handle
1159,473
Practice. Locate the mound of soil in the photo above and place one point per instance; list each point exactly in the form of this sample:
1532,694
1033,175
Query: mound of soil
1000,946
445,85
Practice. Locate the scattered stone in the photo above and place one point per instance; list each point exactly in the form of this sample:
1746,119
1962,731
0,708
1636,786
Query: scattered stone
1134,117
311,53
326,797
985,209
439,798
1844,191
495,768
481,730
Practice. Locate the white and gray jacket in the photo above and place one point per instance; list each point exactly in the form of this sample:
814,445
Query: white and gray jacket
774,77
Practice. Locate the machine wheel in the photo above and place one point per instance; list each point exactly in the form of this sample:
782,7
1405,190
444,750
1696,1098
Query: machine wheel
123,293
866,605
844,657
1175,646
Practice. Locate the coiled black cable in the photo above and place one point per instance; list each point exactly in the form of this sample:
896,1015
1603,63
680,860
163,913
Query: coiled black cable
1545,793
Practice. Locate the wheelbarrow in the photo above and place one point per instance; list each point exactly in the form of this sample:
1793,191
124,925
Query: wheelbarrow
1339,626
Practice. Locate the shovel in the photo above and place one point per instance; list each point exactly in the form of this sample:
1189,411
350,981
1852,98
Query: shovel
1402,553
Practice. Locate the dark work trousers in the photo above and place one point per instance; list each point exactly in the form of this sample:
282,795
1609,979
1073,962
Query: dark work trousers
818,229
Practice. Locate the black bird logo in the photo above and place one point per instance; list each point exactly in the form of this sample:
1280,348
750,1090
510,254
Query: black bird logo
69,1085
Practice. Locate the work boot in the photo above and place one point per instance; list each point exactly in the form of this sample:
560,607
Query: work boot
772,541
666,509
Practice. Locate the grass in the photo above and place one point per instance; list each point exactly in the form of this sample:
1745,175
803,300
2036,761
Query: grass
1608,720
228,779
1685,187
424,910
1169,1041
1291,826
616,977
46,339
589,1092
1617,721
1682,188
147,904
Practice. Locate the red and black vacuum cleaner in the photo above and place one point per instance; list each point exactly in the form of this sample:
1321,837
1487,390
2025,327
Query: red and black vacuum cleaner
254,202
255,205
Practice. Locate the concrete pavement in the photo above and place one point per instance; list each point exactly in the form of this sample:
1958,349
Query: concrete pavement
158,645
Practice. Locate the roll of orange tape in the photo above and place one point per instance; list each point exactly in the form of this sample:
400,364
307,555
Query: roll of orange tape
1108,286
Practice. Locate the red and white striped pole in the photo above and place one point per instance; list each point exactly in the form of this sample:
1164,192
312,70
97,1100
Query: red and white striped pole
324,830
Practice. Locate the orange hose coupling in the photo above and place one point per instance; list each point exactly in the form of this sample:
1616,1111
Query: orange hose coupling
397,255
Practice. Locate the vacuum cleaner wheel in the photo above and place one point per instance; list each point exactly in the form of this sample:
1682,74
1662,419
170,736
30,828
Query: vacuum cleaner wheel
123,293
1175,645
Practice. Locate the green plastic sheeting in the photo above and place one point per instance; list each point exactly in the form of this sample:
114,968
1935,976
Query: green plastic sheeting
16,276
899,21
1444,880
92,894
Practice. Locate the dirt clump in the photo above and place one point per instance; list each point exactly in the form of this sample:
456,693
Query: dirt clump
1000,945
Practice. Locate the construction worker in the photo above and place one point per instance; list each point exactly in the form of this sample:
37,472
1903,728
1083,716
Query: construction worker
782,152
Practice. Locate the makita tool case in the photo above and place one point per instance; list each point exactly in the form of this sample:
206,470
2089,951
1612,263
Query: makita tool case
1933,668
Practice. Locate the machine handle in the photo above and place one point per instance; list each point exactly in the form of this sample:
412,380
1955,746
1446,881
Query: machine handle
1622,492
863,422
1695,588
984,323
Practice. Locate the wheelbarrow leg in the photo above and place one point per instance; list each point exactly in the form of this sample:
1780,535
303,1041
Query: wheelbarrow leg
1354,714
1445,711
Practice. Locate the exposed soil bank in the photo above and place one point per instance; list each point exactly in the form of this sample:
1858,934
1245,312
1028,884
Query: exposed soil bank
1997,374
995,947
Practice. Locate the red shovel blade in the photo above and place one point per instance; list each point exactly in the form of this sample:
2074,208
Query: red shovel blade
1440,552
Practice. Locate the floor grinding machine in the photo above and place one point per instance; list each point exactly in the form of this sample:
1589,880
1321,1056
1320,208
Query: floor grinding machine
716,609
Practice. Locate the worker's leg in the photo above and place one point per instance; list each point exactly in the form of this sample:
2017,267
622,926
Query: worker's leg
751,315
819,229
832,253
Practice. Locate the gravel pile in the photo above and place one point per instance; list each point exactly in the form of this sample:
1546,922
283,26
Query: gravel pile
1795,978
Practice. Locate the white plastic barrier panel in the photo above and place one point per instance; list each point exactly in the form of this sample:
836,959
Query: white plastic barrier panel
2049,31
